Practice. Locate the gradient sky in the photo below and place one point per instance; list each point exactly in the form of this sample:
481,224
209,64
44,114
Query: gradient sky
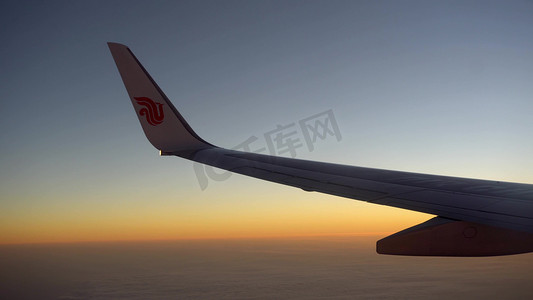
441,87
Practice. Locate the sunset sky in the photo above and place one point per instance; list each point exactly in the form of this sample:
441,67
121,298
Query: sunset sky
439,87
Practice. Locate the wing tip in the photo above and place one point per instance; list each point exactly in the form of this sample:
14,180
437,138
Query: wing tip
112,45
162,123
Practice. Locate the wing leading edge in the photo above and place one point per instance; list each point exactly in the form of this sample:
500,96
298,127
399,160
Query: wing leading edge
475,217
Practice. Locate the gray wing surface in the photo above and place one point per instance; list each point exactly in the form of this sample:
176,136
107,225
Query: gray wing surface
500,204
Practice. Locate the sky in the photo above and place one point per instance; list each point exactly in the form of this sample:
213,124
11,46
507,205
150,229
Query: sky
439,87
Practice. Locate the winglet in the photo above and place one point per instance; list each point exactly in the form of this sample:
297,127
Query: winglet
162,124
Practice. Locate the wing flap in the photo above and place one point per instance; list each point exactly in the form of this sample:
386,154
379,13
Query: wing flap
444,237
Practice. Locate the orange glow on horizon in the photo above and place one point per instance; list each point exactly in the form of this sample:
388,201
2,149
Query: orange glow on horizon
163,213
168,224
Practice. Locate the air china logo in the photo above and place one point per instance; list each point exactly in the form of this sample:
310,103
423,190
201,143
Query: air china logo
153,111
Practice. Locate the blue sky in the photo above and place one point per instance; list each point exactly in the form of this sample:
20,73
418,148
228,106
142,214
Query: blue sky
425,86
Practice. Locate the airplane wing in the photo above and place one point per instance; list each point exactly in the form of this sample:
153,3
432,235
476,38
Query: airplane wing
473,217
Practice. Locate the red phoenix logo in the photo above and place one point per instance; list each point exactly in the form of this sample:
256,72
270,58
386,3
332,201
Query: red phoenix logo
153,111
